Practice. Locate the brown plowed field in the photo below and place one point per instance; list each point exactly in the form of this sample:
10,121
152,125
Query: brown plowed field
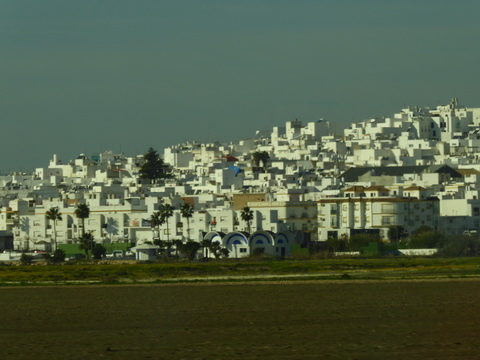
297,320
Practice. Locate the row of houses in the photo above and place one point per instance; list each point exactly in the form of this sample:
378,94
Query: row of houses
386,176
342,211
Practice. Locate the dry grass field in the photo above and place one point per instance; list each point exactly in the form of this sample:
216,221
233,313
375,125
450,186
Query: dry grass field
296,320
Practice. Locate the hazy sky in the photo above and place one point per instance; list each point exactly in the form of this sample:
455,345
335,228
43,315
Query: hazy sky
93,75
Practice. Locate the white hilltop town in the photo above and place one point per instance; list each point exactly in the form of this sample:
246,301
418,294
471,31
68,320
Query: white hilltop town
280,192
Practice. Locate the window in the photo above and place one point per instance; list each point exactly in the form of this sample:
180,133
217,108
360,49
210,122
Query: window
243,250
387,220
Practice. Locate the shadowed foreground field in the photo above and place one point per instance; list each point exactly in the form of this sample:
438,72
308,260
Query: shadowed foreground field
298,320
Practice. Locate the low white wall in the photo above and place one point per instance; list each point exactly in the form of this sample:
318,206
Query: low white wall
418,252
348,253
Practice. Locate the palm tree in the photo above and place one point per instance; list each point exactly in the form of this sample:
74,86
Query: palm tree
256,156
187,212
82,212
260,157
247,216
54,214
155,222
166,212
178,245
86,243
264,157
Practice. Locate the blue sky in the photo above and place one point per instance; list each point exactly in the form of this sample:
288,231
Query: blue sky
94,75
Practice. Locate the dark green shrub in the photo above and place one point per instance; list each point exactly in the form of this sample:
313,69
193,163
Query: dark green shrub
335,245
26,259
426,240
58,256
358,241
463,245
99,251
189,249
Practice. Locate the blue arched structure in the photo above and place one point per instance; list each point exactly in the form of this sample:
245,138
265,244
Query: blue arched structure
283,243
237,244
213,236
262,242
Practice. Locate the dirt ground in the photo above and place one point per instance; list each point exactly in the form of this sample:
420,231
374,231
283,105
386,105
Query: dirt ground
297,320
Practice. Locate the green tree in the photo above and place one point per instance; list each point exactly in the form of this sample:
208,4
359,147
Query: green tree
247,215
358,241
165,247
54,214
425,240
58,256
218,250
82,212
224,252
99,251
187,212
166,212
86,242
422,229
335,244
26,259
178,245
153,167
264,157
256,158
156,221
461,245
189,249
260,157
